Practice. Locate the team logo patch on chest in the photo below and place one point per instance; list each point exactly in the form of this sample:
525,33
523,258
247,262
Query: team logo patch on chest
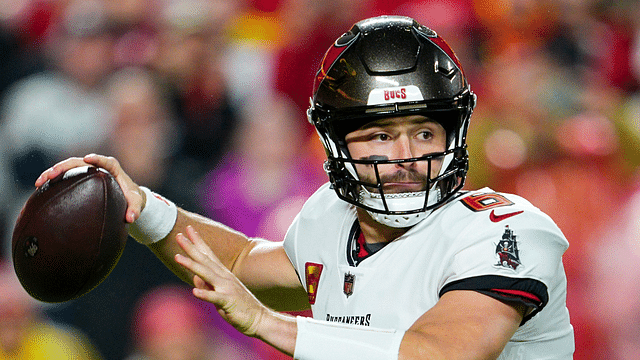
507,250
349,283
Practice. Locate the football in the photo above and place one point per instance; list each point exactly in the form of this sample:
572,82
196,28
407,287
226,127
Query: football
70,235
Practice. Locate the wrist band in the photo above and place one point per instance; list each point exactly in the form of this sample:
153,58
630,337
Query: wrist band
156,219
320,340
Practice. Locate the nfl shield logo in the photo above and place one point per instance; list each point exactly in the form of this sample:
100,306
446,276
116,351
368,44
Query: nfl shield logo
349,280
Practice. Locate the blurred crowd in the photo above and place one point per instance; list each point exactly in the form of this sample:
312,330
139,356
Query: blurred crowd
204,101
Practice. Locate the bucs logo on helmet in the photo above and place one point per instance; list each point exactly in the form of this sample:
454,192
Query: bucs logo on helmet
507,250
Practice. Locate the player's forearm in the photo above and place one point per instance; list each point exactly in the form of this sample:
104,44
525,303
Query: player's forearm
226,243
416,345
462,325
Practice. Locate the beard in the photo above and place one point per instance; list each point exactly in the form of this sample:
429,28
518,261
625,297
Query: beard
415,180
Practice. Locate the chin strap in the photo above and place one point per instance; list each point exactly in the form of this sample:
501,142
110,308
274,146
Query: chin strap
399,202
398,221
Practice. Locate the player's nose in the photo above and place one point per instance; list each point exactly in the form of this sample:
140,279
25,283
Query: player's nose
404,148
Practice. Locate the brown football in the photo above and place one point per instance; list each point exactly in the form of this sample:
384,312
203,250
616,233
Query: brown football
69,235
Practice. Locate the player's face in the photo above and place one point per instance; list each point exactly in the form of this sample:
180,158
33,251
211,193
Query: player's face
395,138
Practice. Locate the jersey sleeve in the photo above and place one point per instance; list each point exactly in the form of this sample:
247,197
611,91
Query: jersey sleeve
309,220
515,258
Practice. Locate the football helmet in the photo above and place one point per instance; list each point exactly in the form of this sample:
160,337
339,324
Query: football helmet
391,66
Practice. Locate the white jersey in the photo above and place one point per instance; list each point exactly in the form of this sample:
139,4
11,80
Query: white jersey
497,244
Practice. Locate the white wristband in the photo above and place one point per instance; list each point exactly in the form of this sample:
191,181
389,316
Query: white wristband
156,219
321,340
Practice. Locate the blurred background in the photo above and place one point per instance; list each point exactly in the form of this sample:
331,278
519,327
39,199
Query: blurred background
204,101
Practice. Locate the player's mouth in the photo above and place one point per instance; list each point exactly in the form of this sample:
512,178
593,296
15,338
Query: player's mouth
401,187
404,181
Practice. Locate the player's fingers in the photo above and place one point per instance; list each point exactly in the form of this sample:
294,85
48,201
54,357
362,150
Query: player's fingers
187,246
135,197
201,284
59,168
197,268
197,241
211,296
202,290
197,262
109,163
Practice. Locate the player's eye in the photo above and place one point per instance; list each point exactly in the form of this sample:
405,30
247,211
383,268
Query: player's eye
381,137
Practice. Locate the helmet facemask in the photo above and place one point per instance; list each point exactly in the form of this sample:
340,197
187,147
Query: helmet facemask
362,181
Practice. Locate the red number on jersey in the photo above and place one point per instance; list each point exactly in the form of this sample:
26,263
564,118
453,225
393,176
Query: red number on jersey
481,202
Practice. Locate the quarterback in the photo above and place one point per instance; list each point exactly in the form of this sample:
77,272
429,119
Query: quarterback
394,258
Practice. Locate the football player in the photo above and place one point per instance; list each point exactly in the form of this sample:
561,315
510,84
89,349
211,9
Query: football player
395,260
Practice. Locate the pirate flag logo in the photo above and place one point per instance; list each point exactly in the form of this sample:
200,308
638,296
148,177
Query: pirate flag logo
507,250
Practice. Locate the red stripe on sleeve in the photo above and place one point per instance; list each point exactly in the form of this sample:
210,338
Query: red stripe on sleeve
518,293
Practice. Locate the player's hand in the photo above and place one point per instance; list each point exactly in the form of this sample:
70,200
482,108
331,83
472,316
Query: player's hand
135,197
217,285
